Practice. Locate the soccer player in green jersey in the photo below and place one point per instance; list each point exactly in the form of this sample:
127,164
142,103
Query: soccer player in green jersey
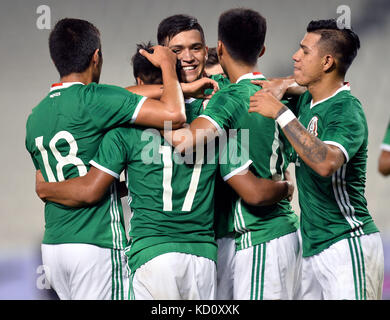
342,247
82,249
262,271
384,158
184,35
172,249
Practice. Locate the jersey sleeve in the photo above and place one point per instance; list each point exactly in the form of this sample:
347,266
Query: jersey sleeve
386,140
111,156
234,154
110,106
223,110
345,127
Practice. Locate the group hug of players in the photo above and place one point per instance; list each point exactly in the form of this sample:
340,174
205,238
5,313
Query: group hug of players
206,223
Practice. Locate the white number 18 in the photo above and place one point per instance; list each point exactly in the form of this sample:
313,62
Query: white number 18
71,158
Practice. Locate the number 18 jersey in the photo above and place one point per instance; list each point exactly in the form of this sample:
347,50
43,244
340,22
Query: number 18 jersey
62,135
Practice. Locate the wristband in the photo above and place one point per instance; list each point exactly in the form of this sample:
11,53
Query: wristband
285,118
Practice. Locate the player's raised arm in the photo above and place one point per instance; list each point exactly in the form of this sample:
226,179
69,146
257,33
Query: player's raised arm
195,89
281,86
171,105
76,192
322,158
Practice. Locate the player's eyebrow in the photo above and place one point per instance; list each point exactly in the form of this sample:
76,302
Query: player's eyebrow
304,47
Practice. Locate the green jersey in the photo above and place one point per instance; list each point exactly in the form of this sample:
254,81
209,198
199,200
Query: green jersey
63,133
386,140
228,109
223,219
171,200
171,196
334,208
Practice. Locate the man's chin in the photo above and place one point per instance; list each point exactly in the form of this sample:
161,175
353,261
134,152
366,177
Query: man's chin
189,77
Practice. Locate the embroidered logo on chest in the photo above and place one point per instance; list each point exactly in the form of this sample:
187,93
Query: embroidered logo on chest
313,126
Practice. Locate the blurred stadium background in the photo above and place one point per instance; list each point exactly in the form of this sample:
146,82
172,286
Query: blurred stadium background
27,72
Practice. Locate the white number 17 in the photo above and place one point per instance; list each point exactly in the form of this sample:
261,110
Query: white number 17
166,152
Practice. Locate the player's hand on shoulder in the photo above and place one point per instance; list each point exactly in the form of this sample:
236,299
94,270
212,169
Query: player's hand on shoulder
196,89
265,103
276,86
160,55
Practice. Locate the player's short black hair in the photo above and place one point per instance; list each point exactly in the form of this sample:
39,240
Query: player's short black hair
342,43
212,57
173,25
143,68
242,31
72,43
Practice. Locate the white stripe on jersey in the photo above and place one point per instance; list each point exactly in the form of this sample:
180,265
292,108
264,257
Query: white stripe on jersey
274,157
115,219
342,198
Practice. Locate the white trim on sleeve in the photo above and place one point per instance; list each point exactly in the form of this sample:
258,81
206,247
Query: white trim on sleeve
385,147
100,167
237,170
137,109
340,147
215,124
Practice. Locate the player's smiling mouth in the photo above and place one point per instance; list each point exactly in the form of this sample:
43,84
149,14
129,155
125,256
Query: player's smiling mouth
188,68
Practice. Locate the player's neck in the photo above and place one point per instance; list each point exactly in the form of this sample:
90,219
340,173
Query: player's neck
235,70
325,88
84,77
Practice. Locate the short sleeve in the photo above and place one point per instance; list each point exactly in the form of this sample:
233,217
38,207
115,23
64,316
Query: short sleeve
111,106
111,156
345,127
223,110
234,153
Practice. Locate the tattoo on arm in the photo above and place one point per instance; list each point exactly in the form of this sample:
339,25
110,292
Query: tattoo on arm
312,148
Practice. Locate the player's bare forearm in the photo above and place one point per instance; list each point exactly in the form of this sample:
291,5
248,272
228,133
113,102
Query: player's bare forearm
196,135
171,106
68,193
147,90
259,191
172,94
76,192
321,157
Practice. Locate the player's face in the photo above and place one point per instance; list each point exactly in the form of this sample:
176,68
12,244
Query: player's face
215,69
308,66
192,53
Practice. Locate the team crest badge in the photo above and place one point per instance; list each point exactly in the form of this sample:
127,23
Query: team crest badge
313,126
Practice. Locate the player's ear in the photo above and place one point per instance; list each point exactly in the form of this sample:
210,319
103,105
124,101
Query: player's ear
140,82
97,57
329,63
262,51
207,52
219,49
